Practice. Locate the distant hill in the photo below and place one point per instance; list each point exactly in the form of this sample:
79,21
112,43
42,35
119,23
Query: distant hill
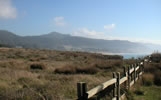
58,41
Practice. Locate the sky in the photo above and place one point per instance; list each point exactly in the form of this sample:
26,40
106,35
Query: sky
133,20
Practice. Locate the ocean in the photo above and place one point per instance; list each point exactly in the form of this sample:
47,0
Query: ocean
128,55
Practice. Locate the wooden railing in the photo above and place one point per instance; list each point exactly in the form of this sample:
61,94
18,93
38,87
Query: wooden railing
129,78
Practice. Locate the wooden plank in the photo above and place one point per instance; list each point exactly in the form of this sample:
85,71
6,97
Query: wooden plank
123,97
137,68
136,78
122,80
140,73
101,87
141,63
131,83
131,70
127,74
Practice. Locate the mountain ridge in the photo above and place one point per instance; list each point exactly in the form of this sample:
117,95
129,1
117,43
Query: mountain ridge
58,41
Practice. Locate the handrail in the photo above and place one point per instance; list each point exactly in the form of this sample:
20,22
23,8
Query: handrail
131,70
131,83
101,87
122,80
83,94
137,68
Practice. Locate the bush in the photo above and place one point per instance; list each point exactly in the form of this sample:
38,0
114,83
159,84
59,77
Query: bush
38,66
70,69
87,70
151,68
157,78
148,79
109,64
155,69
156,57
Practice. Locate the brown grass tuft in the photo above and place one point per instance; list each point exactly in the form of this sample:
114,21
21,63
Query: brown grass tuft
67,69
70,69
39,66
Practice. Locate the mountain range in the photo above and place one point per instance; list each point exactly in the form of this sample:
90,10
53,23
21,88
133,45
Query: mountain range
58,41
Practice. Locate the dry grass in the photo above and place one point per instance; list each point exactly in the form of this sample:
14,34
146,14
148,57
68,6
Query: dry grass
56,74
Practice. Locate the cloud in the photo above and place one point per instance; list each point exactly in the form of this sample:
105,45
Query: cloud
84,32
7,11
110,26
145,40
59,21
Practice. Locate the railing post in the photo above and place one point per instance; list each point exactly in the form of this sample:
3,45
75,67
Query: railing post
125,76
118,86
114,88
143,66
137,65
124,71
134,73
138,71
81,91
131,73
128,77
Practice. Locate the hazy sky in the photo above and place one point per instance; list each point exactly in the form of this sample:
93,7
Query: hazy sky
135,20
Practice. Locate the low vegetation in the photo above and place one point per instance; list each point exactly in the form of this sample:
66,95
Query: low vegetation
148,93
28,74
150,86
153,67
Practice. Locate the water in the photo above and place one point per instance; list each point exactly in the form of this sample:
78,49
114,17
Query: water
133,55
128,55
